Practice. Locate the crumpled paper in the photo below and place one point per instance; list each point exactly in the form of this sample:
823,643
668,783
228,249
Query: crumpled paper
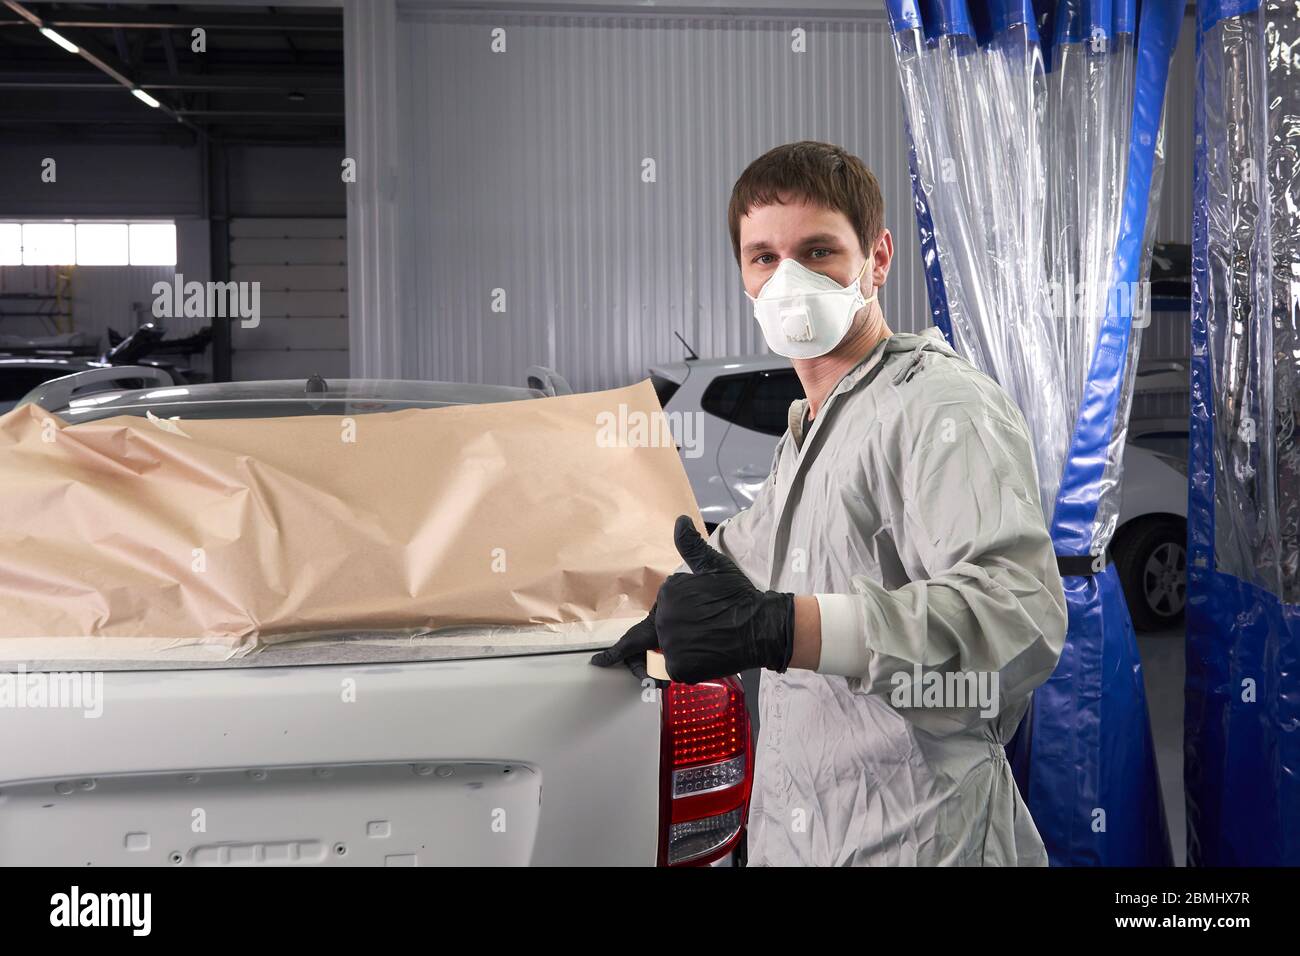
143,538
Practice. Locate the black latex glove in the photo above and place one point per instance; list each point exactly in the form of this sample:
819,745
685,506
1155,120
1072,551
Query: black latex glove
710,623
714,622
631,648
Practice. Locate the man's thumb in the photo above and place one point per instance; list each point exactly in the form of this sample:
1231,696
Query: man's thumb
698,554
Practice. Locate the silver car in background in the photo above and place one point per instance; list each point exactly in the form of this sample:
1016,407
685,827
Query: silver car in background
743,402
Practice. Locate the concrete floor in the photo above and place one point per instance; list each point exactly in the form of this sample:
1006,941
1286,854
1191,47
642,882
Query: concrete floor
1162,672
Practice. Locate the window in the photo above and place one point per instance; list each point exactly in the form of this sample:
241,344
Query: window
102,244
87,243
758,400
153,244
49,244
11,244
770,401
665,388
722,397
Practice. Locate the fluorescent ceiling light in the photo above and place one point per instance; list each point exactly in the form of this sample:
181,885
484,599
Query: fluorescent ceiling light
145,98
66,44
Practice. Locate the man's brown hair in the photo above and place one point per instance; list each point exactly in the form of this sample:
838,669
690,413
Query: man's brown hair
819,173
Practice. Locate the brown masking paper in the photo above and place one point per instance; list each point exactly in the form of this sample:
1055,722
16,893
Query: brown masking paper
131,537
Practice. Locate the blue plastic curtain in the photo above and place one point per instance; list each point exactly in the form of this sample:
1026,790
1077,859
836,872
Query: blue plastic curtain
1242,722
1035,134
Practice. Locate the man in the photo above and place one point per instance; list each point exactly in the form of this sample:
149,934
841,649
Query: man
895,563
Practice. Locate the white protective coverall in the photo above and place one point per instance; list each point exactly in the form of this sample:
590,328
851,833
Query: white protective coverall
911,509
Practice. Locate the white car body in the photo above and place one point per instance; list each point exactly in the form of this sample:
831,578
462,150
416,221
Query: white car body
491,760
362,750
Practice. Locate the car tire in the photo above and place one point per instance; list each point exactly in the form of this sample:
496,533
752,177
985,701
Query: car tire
1151,559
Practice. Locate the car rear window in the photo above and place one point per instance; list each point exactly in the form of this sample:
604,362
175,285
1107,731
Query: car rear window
770,401
756,400
723,396
665,388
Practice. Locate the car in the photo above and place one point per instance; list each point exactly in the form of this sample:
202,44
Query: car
25,364
445,739
742,404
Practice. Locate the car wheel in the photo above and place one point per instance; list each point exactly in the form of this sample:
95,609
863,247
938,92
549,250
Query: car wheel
1151,558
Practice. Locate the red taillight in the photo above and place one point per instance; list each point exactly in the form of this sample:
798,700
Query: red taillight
706,769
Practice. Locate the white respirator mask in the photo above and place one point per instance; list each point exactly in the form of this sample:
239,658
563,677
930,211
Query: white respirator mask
805,314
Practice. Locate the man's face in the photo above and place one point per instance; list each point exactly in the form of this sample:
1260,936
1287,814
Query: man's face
819,238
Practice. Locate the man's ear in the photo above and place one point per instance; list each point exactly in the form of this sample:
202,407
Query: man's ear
882,257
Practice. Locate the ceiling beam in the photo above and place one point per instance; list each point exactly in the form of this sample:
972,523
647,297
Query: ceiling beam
101,61
140,117
152,118
187,20
216,82
323,117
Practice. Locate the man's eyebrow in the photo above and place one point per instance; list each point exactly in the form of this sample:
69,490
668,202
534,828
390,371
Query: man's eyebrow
824,238
821,238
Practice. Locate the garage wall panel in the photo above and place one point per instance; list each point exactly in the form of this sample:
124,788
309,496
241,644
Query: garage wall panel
299,334
305,303
276,277
301,266
99,179
288,181
514,179
290,251
254,364
564,201
267,227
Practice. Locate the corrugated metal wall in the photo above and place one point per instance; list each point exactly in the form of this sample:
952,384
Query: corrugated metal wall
1174,223
378,325
503,197
530,234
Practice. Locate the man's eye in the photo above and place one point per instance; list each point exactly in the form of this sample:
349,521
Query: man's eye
764,260
821,253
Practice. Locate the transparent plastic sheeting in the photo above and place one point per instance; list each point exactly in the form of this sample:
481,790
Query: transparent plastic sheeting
976,115
1037,155
1013,158
1250,110
1242,767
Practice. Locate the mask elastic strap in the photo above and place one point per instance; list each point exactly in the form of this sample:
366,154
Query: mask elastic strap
861,273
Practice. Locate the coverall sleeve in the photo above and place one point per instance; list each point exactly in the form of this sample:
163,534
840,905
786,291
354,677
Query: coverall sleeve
991,598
